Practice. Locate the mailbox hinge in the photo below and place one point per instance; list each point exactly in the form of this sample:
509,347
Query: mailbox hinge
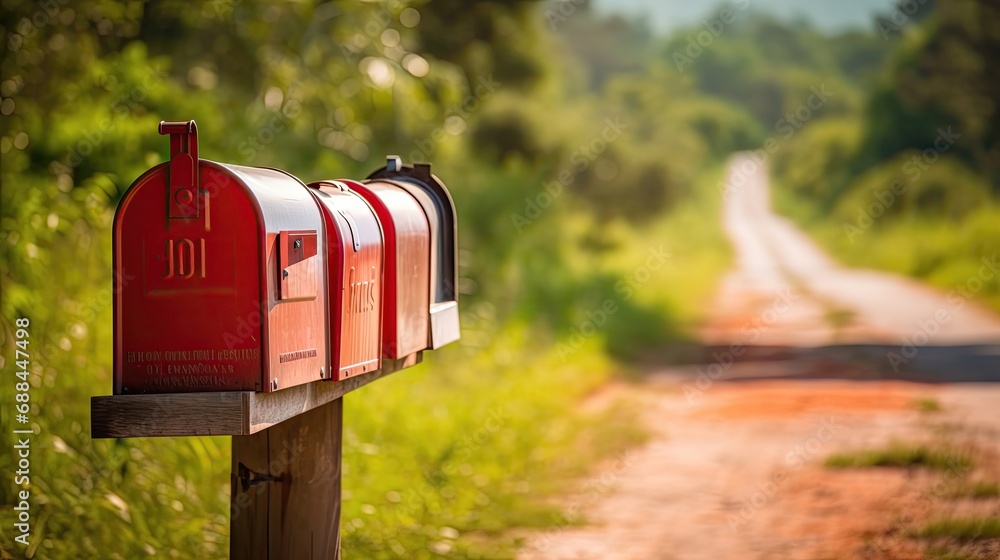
183,196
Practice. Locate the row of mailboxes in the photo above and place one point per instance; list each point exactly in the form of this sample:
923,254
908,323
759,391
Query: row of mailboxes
242,278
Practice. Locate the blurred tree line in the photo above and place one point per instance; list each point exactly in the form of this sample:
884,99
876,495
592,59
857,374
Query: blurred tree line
927,126
938,77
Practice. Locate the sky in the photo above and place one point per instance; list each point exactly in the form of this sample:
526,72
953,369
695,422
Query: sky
668,15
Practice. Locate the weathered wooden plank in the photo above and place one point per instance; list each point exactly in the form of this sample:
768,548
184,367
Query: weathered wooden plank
236,413
178,414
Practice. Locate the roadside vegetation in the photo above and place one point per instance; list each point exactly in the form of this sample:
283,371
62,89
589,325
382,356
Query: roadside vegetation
903,455
963,529
908,182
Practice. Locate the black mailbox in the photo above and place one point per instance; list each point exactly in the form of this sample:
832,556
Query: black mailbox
439,207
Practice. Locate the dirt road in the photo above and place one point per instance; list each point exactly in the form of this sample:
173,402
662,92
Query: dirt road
735,470
738,473
828,304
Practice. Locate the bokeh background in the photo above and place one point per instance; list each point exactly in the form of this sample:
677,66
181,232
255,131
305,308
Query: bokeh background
580,139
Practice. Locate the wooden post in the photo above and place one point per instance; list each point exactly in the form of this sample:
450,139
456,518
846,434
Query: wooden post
286,488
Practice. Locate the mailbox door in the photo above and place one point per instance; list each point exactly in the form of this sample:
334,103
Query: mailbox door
407,273
187,313
355,279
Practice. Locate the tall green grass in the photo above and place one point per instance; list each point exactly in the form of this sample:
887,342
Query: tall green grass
430,469
450,456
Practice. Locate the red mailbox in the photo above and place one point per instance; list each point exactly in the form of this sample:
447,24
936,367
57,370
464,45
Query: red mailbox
354,238
224,271
439,208
241,278
407,267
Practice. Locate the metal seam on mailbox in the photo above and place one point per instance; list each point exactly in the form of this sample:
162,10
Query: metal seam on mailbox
353,226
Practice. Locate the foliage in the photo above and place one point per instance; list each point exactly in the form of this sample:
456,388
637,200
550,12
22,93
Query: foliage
978,490
929,129
769,68
928,404
943,75
815,167
948,189
903,455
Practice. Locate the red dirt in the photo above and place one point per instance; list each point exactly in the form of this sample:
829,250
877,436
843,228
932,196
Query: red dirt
782,399
739,473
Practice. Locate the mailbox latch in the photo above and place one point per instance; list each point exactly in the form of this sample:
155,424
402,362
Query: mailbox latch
296,266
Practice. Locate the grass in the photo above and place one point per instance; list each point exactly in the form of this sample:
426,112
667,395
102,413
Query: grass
928,404
681,288
447,458
699,252
979,490
902,455
964,529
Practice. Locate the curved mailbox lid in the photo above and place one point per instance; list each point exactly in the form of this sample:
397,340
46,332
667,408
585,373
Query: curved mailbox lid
355,263
439,207
407,275
295,261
